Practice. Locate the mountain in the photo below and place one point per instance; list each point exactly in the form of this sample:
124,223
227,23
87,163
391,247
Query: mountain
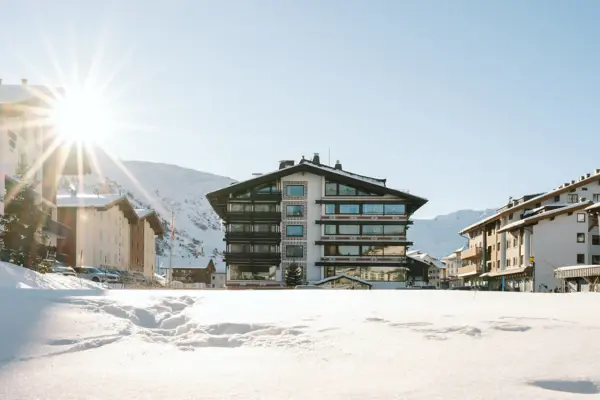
198,231
439,236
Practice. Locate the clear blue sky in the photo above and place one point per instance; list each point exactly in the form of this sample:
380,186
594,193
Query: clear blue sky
463,102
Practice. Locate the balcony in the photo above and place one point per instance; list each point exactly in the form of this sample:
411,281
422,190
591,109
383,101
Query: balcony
252,258
471,253
253,216
469,270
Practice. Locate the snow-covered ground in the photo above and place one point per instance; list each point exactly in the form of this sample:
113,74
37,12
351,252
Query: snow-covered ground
316,344
15,277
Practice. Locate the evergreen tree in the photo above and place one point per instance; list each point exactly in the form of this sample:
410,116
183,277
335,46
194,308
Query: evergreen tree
293,275
20,225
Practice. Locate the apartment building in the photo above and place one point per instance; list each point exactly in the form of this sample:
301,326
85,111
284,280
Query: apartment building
326,220
30,152
519,246
143,241
453,263
100,229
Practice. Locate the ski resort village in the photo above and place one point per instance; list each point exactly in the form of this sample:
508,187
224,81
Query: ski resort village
307,224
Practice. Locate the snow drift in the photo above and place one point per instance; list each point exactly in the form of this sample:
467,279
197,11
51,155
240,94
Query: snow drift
298,345
15,277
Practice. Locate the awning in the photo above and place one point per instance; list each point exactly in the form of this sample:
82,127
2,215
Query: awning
511,272
473,273
577,272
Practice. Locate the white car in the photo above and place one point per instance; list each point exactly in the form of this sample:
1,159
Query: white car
94,274
62,270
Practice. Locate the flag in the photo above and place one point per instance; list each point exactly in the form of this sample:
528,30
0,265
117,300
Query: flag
172,226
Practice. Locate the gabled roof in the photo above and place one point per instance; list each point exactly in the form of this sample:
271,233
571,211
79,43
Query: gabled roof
545,215
340,276
593,208
97,201
373,185
153,219
12,94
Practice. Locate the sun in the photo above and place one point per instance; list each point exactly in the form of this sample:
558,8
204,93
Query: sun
82,116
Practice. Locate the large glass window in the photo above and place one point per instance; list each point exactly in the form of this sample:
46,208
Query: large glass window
294,210
294,230
239,248
252,273
330,189
391,250
349,209
393,229
240,207
386,274
294,251
265,207
372,229
264,228
372,209
349,229
344,190
394,209
239,227
267,188
330,250
329,209
349,250
294,190
264,248
330,229
372,251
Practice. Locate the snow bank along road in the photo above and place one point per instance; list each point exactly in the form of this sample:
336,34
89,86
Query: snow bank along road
78,344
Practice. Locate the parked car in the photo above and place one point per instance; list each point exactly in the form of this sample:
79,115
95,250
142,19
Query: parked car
62,270
96,275
308,287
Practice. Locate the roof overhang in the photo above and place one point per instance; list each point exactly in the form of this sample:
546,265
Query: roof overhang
218,198
545,215
154,221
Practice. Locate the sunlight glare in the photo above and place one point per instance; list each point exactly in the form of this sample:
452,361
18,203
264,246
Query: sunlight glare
82,116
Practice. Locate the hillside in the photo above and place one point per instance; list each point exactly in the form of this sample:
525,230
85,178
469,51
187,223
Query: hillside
198,232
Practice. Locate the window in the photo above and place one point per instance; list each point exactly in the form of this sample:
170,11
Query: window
394,209
349,209
508,262
510,217
393,229
252,273
263,228
294,251
596,198
267,188
330,189
330,229
329,209
580,217
372,229
581,238
573,198
557,199
265,208
240,207
294,211
344,190
596,240
372,251
349,250
392,250
596,259
264,248
294,230
294,190
239,228
372,209
349,229
330,250
239,248
580,258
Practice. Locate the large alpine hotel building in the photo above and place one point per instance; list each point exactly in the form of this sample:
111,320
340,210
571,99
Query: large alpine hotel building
328,221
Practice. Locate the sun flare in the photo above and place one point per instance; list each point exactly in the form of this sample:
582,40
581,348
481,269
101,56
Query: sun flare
82,116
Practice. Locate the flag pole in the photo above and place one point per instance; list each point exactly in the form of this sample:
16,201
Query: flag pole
171,247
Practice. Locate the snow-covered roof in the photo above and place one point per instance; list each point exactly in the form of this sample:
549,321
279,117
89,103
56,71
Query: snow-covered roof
575,267
20,93
200,262
336,277
83,200
374,181
143,212
426,258
544,215
593,207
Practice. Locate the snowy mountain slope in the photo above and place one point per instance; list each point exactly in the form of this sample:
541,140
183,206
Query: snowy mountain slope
439,236
198,234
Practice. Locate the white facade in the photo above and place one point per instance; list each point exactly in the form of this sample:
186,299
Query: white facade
103,238
535,230
218,280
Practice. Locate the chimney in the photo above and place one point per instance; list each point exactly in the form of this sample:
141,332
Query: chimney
597,171
24,82
255,174
316,159
588,175
286,163
338,165
281,164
